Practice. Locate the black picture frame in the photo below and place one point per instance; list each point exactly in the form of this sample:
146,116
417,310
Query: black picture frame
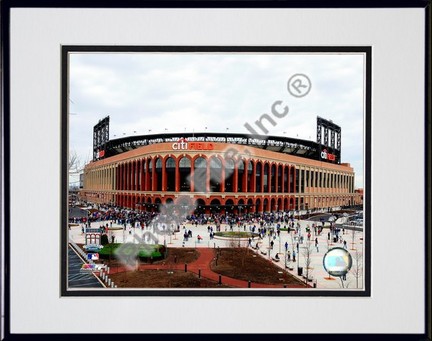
364,50
8,6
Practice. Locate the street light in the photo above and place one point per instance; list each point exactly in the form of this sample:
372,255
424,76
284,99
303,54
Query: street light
169,277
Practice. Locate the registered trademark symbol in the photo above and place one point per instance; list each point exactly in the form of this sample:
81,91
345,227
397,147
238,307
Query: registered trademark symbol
299,85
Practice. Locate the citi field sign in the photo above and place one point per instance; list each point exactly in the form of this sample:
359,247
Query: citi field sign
183,144
327,156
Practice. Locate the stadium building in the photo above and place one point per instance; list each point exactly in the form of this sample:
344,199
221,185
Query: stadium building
220,172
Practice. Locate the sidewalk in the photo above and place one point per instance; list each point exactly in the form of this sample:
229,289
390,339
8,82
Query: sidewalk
316,269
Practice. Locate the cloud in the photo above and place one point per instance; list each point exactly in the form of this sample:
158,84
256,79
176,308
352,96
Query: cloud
178,91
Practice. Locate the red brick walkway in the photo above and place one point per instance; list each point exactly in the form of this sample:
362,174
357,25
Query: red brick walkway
203,263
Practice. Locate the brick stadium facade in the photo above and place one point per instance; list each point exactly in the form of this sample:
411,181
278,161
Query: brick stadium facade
218,177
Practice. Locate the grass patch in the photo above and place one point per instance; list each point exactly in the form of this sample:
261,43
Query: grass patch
236,234
143,252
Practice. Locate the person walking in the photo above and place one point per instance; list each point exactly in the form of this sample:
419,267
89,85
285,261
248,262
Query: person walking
316,244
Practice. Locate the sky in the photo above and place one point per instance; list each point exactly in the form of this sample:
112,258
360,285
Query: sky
150,93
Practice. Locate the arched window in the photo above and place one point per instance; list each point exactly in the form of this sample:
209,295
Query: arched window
273,179
241,173
170,166
249,181
215,175
280,177
258,177
258,204
158,174
199,206
266,207
229,175
185,170
143,175
150,174
200,174
265,178
215,206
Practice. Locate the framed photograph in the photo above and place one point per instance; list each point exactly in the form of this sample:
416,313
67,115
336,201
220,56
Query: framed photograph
219,204
174,157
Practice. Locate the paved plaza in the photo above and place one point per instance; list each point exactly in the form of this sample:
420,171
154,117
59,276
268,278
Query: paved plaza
354,244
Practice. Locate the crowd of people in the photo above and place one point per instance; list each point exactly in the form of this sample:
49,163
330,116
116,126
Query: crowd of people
263,224
124,216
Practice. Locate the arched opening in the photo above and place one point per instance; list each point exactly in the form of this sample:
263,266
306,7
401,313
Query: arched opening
149,205
291,179
285,176
292,205
265,178
241,207
199,206
229,206
158,174
170,166
150,174
258,177
200,174
229,175
184,170
215,175
280,177
266,207
273,179
143,175
250,205
258,205
249,182
273,205
215,206
229,202
240,171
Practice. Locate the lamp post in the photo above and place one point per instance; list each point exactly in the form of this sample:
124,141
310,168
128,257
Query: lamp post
170,272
